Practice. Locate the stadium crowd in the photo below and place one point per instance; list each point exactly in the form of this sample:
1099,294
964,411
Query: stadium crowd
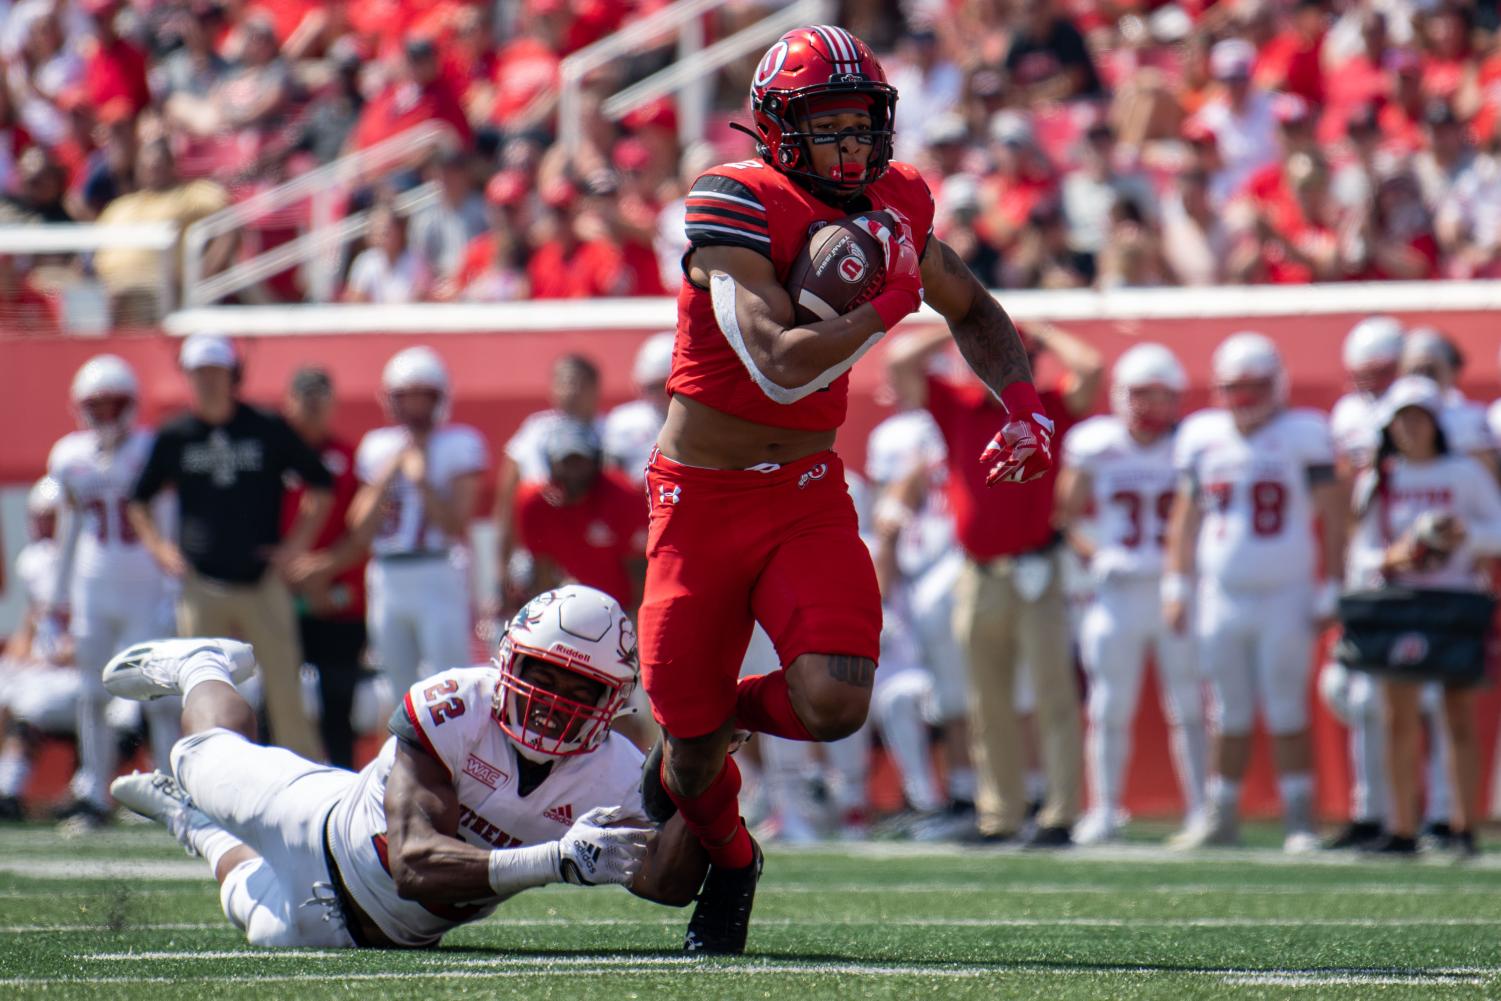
1070,144
1141,539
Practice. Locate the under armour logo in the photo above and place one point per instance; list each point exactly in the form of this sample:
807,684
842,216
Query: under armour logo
816,473
665,496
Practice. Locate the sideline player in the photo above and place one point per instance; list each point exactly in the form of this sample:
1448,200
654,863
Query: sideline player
496,779
751,520
114,592
1122,466
1253,477
421,482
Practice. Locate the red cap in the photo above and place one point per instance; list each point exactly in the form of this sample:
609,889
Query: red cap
506,188
631,155
661,113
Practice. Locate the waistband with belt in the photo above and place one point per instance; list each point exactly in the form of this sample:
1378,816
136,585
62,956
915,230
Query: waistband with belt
359,924
1007,559
411,556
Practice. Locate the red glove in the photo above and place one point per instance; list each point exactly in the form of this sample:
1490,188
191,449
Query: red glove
901,293
1024,446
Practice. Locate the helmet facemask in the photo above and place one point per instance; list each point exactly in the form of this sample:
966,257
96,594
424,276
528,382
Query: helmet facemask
544,723
108,415
1152,409
789,146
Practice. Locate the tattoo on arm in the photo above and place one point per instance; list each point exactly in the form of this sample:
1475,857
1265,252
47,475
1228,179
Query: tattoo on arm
985,334
857,671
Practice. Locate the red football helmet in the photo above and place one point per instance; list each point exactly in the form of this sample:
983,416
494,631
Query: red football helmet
811,63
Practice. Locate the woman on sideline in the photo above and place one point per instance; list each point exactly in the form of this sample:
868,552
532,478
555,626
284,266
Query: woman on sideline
1426,516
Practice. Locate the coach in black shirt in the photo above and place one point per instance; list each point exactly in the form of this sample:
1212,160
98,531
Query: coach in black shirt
226,460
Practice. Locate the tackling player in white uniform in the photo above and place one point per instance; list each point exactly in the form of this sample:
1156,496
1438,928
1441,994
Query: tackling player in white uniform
1122,466
115,593
1253,477
631,429
420,483
496,779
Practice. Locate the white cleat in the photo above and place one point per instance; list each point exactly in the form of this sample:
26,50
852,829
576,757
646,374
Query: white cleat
1097,827
1302,843
157,796
1212,829
153,670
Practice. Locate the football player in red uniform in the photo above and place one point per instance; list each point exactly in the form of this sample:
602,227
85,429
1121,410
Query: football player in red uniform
750,519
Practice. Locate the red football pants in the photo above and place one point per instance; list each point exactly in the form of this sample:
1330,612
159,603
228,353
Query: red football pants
728,548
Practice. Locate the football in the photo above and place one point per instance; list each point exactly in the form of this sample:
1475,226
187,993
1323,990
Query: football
841,266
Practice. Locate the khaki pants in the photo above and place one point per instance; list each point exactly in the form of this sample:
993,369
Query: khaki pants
999,628
261,615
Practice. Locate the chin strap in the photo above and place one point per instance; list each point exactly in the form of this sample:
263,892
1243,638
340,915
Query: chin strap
723,291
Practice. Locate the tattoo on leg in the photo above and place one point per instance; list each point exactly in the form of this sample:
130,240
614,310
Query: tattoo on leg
857,671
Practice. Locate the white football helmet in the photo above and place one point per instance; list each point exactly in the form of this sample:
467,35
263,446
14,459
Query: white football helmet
1143,366
104,380
43,502
416,368
583,631
1249,377
1370,354
654,359
1425,351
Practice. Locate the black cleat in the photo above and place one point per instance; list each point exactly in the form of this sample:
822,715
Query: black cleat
1437,836
1050,837
1392,846
11,809
659,805
721,918
1464,846
1356,835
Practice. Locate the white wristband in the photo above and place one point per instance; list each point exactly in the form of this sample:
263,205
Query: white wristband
1175,588
515,869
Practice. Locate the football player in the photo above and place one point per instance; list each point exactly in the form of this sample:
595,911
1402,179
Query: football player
1254,475
751,520
495,779
115,593
420,483
1121,465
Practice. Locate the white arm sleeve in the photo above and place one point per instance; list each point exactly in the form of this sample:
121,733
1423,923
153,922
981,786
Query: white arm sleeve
723,291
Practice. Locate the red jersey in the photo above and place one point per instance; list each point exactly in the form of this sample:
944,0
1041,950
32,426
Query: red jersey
591,541
338,458
993,521
750,205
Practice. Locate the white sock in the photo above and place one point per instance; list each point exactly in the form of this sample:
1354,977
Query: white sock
1296,790
206,665
1224,794
212,843
14,770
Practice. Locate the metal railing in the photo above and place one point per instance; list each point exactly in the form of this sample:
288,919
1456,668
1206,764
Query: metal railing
319,247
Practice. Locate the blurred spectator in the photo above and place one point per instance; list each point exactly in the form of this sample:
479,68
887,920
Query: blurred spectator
584,523
1242,116
1043,257
1446,155
114,66
573,254
1354,55
226,460
1133,256
110,168
1048,60
39,190
526,68
1401,114
494,264
134,277
630,430
1290,61
23,308
1394,239
329,592
388,271
440,231
1292,236
335,111
1444,38
1195,239
956,224
249,102
1468,225
929,85
14,139
420,93
194,67
1090,192
1022,177
1355,181
42,67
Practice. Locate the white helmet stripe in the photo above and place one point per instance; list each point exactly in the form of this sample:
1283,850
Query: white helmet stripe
854,51
841,57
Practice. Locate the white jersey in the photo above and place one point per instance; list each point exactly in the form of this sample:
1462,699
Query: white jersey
1133,488
1466,425
450,714
1355,424
1255,494
630,433
900,444
98,485
453,450
528,446
37,565
1453,484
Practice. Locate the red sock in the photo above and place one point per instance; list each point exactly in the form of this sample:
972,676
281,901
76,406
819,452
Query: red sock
714,818
763,705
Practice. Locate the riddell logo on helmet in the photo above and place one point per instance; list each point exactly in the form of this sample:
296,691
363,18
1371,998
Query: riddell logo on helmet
570,651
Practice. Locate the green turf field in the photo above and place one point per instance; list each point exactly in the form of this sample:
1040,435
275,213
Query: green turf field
125,915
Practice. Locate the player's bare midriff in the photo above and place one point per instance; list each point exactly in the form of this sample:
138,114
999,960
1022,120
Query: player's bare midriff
699,435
